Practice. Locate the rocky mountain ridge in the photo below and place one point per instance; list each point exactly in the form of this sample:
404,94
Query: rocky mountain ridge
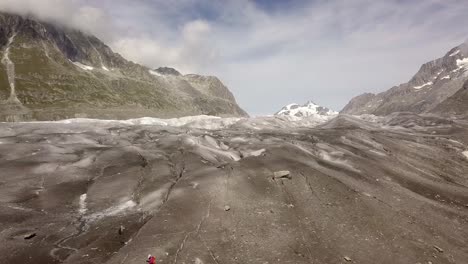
434,83
49,72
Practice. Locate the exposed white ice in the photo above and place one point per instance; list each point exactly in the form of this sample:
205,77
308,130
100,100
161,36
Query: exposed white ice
209,150
445,77
119,208
239,139
83,209
19,208
105,68
112,211
82,66
210,122
223,146
456,142
84,163
44,168
201,121
465,153
255,153
154,199
462,63
211,141
454,53
303,149
333,157
377,152
422,86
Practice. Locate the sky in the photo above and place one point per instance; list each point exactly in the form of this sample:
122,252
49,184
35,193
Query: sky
272,52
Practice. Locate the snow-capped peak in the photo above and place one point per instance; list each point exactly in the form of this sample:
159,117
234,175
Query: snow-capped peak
308,109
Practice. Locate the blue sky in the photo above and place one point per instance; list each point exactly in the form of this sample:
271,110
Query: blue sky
271,52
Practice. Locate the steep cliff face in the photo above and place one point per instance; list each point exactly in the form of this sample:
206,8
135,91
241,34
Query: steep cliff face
355,105
50,72
434,83
456,104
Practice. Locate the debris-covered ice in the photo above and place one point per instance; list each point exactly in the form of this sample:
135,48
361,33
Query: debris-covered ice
212,193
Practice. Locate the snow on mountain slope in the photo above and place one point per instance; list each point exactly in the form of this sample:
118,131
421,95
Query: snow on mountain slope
434,83
310,109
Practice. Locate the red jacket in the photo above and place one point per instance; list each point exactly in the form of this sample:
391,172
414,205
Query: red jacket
151,260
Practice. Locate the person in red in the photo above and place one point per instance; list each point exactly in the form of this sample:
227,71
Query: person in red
151,259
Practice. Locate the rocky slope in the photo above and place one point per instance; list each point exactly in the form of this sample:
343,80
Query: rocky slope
49,72
434,83
456,104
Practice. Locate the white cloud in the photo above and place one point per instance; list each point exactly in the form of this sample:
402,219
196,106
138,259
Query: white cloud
195,31
192,51
70,13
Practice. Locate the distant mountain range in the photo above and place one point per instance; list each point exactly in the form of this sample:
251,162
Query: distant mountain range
309,109
49,72
438,87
